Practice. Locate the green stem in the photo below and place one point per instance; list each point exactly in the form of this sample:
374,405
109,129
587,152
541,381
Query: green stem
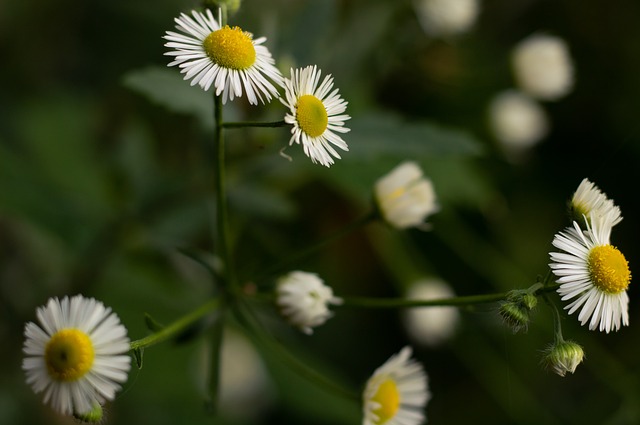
310,250
557,319
244,124
176,327
455,301
222,220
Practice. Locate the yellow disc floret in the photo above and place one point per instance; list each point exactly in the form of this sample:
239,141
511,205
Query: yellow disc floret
389,399
230,48
69,355
608,268
311,115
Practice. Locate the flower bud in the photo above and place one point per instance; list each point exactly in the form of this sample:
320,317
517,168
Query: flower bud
232,6
515,315
304,300
93,416
515,310
563,357
529,301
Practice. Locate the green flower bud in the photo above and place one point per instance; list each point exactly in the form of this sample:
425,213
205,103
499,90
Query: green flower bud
529,301
563,357
93,416
232,6
515,315
515,310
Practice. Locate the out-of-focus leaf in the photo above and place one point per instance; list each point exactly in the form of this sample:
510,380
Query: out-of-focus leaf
261,201
166,87
382,135
306,398
136,158
61,151
379,142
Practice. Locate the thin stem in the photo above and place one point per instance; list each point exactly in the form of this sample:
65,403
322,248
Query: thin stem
408,303
222,220
557,319
176,327
310,250
244,124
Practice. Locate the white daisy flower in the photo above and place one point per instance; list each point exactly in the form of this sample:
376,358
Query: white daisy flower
430,326
316,114
589,199
518,122
304,299
593,273
396,393
76,355
543,67
405,197
225,57
446,17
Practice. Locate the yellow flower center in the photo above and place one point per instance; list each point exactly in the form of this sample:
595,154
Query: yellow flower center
69,355
608,268
311,115
230,48
389,399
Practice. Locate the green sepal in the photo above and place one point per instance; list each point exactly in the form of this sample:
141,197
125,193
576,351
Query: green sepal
137,353
152,324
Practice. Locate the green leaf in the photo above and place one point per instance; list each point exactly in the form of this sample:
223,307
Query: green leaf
381,135
166,87
261,201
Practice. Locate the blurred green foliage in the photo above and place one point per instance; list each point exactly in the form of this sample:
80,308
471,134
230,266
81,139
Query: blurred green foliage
105,176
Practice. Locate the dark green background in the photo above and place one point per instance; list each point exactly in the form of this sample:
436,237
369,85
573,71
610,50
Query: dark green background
106,170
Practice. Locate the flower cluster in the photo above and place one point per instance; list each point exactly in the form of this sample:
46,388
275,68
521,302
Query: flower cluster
76,355
233,62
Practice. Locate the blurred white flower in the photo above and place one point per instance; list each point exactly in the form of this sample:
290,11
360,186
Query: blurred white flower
303,299
405,197
430,326
517,121
446,17
588,199
543,67
243,377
